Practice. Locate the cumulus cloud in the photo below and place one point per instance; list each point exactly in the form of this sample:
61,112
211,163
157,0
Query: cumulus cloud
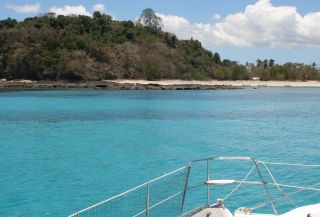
35,8
70,10
99,7
259,25
216,16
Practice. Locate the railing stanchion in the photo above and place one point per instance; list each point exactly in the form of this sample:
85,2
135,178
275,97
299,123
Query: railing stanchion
185,188
255,163
208,186
147,200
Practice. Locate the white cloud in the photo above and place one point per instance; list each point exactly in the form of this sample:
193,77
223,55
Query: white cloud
261,25
216,16
35,8
99,7
70,10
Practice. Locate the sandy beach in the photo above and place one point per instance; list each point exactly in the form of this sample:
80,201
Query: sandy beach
154,85
226,83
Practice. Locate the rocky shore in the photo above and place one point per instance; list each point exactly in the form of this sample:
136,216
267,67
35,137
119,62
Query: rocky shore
106,85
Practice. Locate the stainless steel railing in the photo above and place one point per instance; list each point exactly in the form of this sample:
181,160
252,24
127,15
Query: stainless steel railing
148,206
182,188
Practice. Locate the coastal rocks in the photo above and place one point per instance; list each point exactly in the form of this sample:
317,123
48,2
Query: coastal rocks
105,85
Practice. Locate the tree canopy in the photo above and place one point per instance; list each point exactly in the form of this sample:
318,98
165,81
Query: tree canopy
149,19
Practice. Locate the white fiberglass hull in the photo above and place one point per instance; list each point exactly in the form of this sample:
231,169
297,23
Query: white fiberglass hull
304,211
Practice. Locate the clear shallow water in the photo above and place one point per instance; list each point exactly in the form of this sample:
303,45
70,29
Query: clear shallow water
66,149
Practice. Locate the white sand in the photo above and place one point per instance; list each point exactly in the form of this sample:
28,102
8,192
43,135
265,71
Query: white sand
232,83
18,81
211,82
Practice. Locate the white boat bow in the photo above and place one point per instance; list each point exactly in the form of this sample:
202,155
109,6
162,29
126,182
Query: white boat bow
304,211
173,188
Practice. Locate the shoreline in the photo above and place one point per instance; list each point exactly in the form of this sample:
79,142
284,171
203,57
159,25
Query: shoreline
108,85
123,84
239,83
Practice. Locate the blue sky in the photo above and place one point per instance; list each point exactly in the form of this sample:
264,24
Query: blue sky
194,18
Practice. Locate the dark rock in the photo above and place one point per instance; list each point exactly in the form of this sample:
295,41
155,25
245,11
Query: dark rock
108,85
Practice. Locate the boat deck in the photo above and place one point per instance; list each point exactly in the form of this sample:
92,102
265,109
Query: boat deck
218,209
214,212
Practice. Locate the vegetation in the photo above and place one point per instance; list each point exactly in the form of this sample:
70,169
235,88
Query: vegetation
150,20
78,48
268,70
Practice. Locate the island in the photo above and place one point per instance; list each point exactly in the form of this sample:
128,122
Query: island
56,51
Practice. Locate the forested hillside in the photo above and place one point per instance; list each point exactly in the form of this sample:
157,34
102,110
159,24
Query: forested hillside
75,48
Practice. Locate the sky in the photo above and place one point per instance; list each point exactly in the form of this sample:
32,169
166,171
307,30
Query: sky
240,30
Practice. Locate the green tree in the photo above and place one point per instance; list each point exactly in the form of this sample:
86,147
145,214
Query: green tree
259,63
218,73
226,62
265,63
271,62
151,68
239,72
311,73
8,23
217,58
171,40
149,19
97,15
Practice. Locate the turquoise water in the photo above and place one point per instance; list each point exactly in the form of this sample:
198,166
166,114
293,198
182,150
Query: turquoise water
64,150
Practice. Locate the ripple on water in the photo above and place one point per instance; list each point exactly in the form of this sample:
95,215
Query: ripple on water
66,149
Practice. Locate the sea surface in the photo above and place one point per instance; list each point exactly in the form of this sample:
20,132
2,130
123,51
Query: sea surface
63,150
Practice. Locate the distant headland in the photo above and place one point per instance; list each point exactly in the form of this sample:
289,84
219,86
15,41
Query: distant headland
80,49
